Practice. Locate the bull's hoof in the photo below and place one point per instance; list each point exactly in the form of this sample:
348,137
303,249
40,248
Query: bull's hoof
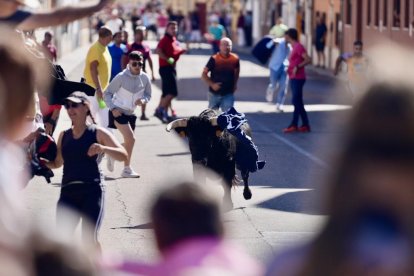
247,194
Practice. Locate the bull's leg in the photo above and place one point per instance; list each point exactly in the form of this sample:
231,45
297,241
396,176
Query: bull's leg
199,173
227,202
247,194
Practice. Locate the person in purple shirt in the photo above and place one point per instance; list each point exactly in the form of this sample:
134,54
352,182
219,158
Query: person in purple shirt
297,78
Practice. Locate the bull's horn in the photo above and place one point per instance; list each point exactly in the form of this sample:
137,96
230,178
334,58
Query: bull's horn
176,123
213,121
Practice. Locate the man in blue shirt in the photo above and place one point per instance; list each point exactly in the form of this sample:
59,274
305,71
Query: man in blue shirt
278,77
118,52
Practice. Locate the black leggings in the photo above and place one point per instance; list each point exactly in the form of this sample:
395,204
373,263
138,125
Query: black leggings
87,202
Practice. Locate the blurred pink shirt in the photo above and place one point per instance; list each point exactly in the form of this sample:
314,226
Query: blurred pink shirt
201,256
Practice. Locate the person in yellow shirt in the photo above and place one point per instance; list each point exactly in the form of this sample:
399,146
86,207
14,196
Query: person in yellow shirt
357,65
97,73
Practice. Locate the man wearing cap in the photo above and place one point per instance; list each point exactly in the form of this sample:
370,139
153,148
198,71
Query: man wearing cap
97,72
278,64
129,89
12,13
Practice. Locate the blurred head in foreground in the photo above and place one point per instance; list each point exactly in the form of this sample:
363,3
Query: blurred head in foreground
183,212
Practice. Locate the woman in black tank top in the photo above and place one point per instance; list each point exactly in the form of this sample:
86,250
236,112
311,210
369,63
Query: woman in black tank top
80,150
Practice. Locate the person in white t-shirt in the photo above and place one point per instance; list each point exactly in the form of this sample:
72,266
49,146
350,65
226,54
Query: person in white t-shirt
129,89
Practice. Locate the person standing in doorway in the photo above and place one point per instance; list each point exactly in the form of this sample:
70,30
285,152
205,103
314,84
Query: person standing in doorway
80,150
320,40
297,78
169,52
224,68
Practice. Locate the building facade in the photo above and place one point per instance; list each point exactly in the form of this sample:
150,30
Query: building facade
378,21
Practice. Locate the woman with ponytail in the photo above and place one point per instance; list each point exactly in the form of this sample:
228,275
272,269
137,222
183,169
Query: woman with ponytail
80,150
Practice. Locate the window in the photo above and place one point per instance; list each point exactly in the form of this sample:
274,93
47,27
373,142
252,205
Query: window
369,13
385,13
396,14
407,14
348,18
377,10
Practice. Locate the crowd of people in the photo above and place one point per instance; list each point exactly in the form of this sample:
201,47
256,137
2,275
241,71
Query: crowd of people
369,228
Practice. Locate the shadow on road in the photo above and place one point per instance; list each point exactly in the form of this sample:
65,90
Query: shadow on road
306,202
145,226
173,154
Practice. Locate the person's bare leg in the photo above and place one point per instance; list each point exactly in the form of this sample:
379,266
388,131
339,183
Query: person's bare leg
129,140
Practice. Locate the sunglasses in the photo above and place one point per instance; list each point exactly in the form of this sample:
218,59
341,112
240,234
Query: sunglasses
136,64
72,105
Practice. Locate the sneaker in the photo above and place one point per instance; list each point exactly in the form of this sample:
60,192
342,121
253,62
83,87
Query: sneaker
110,163
290,129
304,129
144,118
279,108
129,173
159,114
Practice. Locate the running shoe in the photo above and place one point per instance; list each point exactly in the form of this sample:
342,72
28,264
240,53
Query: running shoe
304,129
290,129
129,173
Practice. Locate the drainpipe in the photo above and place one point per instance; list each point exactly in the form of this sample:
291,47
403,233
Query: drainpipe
341,28
330,30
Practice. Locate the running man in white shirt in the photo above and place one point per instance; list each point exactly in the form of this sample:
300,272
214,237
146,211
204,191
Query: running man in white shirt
129,89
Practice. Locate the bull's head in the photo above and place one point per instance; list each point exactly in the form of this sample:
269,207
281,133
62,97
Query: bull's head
201,133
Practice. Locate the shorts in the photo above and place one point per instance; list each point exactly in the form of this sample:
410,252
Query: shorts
122,120
320,46
169,81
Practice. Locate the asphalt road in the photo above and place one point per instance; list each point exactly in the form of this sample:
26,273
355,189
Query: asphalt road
287,193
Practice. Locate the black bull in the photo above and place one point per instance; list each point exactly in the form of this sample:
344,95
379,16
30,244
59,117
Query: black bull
214,148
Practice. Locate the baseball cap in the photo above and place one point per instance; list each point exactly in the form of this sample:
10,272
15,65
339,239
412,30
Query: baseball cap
78,97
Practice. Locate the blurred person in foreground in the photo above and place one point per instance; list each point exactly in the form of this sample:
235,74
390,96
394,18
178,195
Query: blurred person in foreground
370,197
80,150
189,234
20,74
14,13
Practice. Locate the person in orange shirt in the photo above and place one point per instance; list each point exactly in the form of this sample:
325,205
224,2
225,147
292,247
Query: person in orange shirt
224,68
